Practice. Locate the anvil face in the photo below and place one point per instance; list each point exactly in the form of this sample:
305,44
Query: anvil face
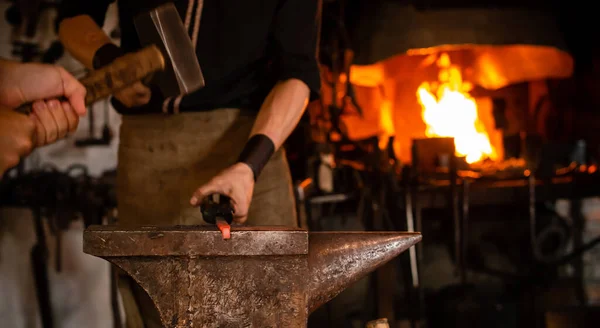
261,277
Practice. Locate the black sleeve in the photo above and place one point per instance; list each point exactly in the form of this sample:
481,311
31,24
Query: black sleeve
93,8
296,32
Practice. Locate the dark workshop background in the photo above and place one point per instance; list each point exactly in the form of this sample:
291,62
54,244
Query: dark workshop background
509,240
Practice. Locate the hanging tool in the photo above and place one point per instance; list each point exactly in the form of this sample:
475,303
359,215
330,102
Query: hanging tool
107,134
39,263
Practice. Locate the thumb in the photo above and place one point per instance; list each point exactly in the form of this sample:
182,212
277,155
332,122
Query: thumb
74,91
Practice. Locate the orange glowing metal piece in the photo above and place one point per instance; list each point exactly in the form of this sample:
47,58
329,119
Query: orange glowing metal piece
224,227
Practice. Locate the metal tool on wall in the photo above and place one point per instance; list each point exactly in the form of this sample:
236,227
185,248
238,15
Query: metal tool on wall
107,133
24,16
58,198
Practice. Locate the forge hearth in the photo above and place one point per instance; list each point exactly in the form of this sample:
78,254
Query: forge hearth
261,277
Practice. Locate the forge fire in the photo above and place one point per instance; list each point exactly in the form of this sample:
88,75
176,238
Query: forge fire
450,111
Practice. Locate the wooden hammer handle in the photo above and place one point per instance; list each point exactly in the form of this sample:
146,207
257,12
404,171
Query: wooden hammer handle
120,74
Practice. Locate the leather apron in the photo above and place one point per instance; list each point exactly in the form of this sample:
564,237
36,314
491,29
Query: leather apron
163,159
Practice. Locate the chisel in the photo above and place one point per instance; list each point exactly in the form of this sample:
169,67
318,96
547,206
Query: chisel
216,209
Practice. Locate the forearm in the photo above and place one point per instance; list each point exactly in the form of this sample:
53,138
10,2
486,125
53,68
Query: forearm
82,37
7,68
281,111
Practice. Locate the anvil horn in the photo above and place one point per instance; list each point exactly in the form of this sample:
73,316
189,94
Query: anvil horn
338,259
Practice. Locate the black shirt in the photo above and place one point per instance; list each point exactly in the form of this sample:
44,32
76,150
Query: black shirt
243,46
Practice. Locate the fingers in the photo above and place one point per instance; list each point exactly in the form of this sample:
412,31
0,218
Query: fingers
40,109
140,89
40,131
74,91
235,182
16,132
215,186
31,82
219,186
53,121
60,118
134,96
72,117
140,94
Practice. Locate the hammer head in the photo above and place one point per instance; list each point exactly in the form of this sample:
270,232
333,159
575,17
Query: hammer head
162,27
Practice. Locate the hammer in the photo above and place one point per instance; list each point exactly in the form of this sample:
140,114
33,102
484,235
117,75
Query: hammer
168,58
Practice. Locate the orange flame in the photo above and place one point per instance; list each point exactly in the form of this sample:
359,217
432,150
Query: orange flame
449,111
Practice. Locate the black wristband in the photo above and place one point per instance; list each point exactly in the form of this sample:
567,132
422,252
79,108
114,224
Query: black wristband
257,152
106,55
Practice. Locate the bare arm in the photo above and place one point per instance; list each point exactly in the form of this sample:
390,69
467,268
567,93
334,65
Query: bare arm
296,36
282,110
277,118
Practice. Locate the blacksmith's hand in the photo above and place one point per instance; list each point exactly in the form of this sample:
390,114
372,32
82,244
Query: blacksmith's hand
16,133
21,83
236,182
53,120
134,96
43,85
19,133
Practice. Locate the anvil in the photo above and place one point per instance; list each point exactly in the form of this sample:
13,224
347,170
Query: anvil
261,277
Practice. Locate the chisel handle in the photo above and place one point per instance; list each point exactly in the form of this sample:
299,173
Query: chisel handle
212,210
118,75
